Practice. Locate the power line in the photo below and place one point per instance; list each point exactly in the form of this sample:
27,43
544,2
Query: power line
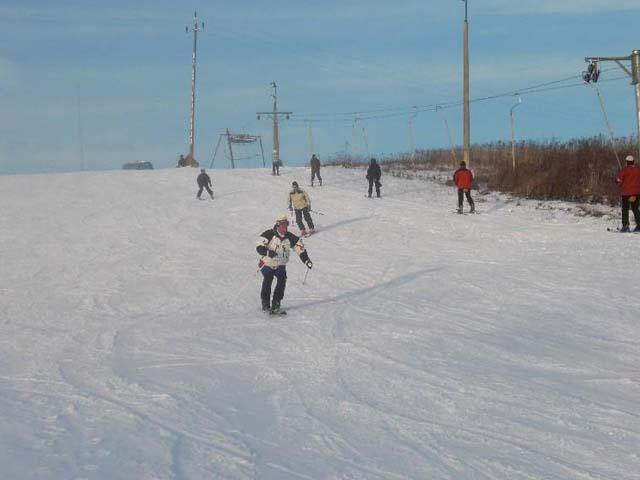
390,112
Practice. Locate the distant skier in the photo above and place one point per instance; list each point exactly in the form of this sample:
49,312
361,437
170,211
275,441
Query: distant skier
300,203
275,246
204,182
315,169
628,180
463,178
275,167
373,175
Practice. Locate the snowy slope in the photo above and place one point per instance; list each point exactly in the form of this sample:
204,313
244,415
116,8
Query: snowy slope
424,344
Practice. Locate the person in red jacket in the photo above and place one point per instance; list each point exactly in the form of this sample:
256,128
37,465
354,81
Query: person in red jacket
463,178
628,180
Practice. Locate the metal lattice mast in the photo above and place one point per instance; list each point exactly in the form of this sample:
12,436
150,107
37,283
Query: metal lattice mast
195,30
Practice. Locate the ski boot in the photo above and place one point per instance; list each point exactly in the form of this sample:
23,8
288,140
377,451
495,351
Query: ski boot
459,210
625,229
637,229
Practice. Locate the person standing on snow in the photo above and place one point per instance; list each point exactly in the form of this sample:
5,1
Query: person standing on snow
275,167
628,180
315,169
300,203
275,246
373,175
463,178
204,182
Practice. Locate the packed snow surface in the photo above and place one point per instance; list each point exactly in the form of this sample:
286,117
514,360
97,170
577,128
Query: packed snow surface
423,344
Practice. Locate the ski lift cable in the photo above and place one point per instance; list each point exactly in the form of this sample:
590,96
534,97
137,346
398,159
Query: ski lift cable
399,111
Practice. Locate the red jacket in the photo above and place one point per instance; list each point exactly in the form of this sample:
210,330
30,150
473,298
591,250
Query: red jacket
463,178
628,180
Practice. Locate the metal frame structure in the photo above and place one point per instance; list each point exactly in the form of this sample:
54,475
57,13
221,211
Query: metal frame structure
237,138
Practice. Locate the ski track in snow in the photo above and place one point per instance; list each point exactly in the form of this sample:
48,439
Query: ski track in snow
424,344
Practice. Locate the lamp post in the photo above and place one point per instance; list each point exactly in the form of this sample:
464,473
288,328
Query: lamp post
513,147
465,81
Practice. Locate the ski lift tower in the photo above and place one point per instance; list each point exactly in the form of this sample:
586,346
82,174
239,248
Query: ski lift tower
593,73
275,155
189,160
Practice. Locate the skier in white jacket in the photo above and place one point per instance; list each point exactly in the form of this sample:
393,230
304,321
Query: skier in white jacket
274,248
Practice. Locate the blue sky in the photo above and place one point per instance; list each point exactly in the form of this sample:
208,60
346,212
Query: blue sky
90,85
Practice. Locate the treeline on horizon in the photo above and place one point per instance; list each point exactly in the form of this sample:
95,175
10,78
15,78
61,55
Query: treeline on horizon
575,170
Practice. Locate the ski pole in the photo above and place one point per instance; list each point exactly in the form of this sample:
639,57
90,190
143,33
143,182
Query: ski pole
305,276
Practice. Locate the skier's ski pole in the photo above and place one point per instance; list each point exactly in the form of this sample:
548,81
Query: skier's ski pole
305,276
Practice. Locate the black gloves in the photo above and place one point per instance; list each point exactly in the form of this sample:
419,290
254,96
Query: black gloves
271,253
309,264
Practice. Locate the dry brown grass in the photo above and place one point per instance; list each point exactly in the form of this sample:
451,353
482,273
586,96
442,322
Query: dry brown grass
577,170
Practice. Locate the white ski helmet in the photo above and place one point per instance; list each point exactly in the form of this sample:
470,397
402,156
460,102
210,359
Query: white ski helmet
282,219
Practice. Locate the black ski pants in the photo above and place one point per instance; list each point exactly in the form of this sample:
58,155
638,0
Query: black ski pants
275,167
377,184
626,204
307,216
462,192
314,174
203,187
265,294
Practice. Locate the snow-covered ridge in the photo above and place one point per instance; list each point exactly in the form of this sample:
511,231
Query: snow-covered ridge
424,344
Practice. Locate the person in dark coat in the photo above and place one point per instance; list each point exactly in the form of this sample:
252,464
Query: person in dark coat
274,248
463,178
204,182
373,175
628,180
315,169
275,167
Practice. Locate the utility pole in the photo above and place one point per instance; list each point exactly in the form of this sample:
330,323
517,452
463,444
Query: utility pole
274,114
454,157
513,147
465,75
593,73
412,142
310,130
233,164
191,158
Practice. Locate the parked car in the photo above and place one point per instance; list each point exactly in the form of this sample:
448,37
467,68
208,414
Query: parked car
138,166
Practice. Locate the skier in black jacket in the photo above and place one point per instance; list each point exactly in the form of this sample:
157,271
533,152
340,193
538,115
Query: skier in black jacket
315,169
204,182
373,175
274,248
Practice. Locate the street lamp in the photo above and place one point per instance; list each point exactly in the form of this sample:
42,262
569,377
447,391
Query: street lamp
513,148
